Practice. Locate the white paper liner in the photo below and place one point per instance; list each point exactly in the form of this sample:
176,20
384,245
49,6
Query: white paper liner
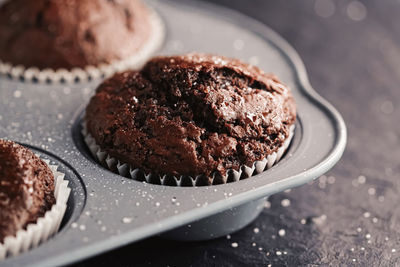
154,42
45,226
129,171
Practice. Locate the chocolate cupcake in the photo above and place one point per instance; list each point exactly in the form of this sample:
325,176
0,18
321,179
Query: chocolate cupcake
27,193
27,188
206,117
68,34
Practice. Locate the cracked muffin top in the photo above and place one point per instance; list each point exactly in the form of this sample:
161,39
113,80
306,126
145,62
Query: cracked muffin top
190,115
26,188
71,33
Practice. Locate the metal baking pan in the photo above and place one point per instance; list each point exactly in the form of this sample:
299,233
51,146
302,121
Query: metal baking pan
105,210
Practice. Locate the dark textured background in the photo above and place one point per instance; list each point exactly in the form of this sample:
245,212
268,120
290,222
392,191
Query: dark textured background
351,216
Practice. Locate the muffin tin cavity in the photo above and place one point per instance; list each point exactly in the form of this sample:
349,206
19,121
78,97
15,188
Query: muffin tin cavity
77,198
77,137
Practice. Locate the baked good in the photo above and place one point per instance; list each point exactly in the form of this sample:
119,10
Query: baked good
191,115
71,33
26,188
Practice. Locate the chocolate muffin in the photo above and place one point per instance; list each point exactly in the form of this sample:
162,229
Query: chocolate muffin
26,188
191,115
71,33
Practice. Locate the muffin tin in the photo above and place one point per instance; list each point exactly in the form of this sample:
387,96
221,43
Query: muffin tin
106,210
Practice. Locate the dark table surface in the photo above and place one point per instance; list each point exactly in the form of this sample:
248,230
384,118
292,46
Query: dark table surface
351,215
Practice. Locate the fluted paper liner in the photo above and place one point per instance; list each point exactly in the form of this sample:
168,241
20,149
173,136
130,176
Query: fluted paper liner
45,226
232,175
91,72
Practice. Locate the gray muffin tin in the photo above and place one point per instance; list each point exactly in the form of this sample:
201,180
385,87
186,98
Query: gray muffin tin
105,210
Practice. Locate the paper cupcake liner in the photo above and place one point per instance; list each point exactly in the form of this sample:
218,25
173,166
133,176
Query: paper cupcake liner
232,175
45,226
18,72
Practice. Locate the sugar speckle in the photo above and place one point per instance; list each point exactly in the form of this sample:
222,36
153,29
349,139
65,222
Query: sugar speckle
361,179
127,219
356,11
324,8
278,253
371,191
234,245
367,214
82,227
17,93
87,90
256,230
367,236
238,44
254,60
387,107
393,250
320,220
74,225
228,237
285,202
359,229
267,204
282,232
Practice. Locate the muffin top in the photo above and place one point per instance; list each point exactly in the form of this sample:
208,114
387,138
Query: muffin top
71,33
26,188
190,115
